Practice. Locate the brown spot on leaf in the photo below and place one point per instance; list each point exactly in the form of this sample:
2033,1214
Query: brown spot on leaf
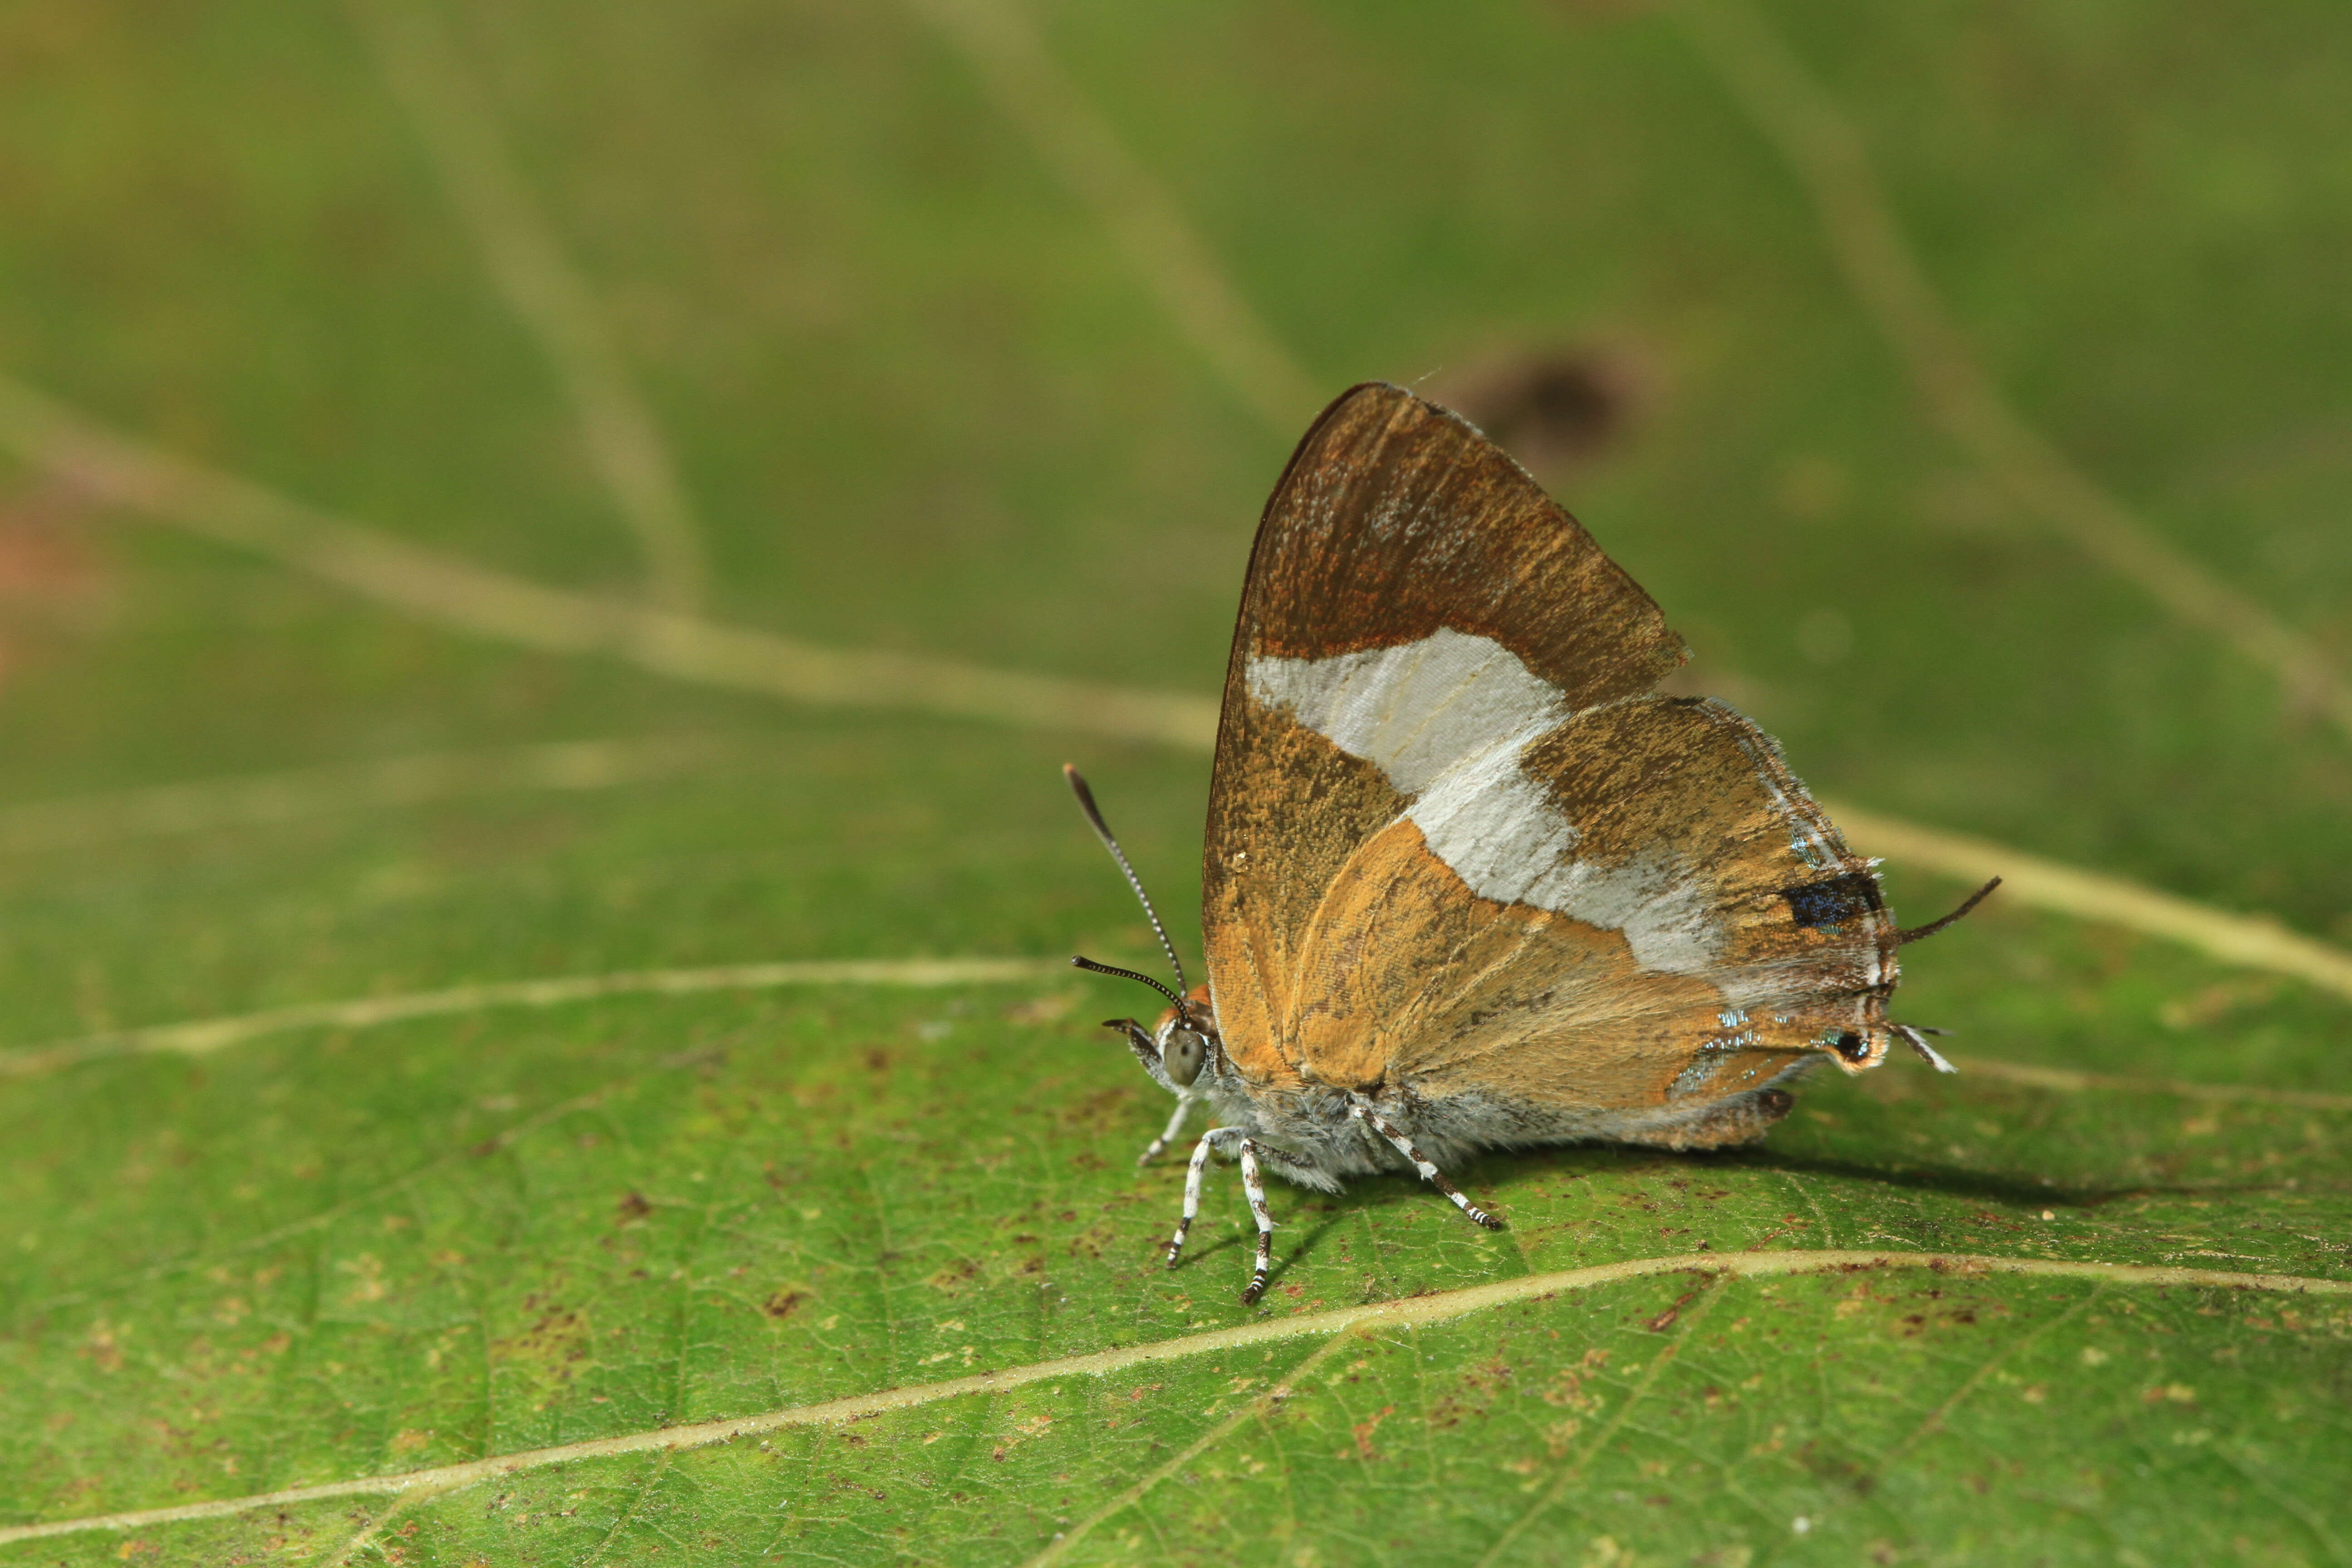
1108,1111
49,576
1665,1320
554,1351
101,1348
1095,1240
1363,1431
785,1303
951,1279
1549,408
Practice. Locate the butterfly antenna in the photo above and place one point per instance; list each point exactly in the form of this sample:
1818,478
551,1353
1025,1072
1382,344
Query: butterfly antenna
1110,842
1918,932
1091,967
1917,1035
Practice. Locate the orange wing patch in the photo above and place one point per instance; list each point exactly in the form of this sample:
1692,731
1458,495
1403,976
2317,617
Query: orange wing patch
1408,976
1295,809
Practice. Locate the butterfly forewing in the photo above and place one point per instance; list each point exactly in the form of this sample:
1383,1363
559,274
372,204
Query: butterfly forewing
1395,519
1451,839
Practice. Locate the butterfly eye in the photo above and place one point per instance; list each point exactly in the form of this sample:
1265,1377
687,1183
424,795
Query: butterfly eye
1853,1046
1182,1056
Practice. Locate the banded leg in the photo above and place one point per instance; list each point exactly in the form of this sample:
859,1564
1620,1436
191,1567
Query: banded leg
1306,1172
1167,1134
1362,1111
1209,1140
1254,1184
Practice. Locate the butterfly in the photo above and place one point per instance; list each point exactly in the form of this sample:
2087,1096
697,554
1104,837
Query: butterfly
1470,880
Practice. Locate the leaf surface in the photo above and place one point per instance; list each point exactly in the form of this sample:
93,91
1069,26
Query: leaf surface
924,401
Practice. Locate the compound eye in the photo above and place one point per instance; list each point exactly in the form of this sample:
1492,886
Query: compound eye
1181,1057
1853,1046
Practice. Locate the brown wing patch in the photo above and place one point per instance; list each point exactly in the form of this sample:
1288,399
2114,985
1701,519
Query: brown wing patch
1395,516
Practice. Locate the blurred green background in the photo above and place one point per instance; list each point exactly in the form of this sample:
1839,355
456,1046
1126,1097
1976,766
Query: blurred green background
1909,356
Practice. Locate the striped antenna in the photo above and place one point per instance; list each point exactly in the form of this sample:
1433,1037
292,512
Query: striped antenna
1102,831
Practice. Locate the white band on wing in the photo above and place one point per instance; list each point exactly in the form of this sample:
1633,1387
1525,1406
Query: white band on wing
1447,719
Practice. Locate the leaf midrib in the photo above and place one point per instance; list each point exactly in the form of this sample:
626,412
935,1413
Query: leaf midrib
1406,1311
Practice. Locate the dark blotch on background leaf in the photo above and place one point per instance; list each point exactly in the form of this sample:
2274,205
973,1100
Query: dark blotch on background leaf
1550,408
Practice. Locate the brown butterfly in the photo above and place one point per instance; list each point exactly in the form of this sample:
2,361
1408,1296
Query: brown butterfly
1470,882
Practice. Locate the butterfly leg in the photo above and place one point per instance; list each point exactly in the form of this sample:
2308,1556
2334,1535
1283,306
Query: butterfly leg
1159,1145
1361,1109
1254,1184
1200,1151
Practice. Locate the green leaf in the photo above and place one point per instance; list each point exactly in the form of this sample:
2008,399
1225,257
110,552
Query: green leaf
485,1082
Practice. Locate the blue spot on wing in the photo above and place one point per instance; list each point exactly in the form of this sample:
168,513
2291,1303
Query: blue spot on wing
1827,905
